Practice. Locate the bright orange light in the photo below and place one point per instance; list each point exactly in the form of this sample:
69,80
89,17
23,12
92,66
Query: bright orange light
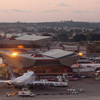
20,46
14,54
80,54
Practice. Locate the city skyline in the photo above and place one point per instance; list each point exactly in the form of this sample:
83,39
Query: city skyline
48,11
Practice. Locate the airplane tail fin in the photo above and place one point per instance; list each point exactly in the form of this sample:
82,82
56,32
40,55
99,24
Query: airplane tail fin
12,76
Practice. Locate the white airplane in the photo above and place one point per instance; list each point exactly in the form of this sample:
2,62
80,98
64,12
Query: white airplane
29,79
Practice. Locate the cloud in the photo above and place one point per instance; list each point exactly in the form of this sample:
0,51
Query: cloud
97,2
80,5
86,11
63,4
15,10
48,3
4,10
52,11
80,11
19,10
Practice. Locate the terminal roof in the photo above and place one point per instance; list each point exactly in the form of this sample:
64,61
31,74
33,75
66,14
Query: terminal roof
57,53
32,37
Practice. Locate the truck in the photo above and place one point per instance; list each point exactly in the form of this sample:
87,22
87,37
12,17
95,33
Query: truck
25,92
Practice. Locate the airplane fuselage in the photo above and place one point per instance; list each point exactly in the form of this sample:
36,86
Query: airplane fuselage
23,80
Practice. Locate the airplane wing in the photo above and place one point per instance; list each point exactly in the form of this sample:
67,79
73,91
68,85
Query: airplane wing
4,81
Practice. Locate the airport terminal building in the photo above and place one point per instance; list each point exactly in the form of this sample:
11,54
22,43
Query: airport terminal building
51,62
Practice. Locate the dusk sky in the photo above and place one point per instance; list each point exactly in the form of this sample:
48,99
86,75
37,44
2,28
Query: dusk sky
49,10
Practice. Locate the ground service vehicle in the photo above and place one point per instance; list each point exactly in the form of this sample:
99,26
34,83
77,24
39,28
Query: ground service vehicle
26,92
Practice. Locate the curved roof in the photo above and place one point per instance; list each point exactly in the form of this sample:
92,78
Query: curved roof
32,37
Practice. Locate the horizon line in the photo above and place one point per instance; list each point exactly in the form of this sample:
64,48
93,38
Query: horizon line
51,21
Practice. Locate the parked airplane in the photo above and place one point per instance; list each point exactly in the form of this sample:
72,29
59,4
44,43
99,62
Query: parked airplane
29,78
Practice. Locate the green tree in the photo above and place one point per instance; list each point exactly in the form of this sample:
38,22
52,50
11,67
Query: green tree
46,34
63,37
94,37
80,37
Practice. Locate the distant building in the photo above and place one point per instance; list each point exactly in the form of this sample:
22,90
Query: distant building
28,41
81,49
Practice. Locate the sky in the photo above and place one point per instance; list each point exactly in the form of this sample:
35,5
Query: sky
49,10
